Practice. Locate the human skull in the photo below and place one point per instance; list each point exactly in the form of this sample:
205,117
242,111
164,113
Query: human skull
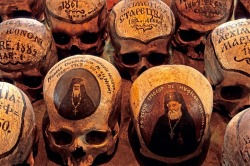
10,9
84,116
236,143
195,20
27,52
17,126
140,32
170,113
227,66
78,27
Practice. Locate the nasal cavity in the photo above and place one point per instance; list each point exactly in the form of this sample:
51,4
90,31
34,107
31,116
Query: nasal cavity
144,68
75,50
78,153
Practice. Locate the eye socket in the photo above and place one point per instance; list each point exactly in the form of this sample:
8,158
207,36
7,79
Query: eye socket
20,14
89,38
232,92
8,80
200,49
33,81
156,59
62,138
189,35
96,137
130,59
61,38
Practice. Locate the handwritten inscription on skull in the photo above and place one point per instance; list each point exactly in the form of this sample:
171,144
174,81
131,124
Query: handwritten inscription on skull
75,10
203,11
232,45
144,20
22,42
12,109
84,80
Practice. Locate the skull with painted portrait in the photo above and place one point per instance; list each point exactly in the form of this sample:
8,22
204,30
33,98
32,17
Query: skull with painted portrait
83,119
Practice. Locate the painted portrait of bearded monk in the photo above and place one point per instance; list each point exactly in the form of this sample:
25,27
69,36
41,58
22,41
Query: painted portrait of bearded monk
174,134
76,104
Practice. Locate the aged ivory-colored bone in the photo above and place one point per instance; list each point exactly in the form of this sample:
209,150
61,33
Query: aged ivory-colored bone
82,95
140,32
78,27
195,21
18,126
27,52
171,112
236,141
227,66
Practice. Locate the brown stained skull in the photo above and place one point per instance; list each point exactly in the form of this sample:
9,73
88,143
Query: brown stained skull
83,118
10,9
236,145
18,133
27,52
195,21
78,27
227,66
140,40
171,114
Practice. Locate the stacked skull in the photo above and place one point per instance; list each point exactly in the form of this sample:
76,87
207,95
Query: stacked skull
27,52
17,126
141,33
237,140
195,20
78,27
171,114
227,66
82,95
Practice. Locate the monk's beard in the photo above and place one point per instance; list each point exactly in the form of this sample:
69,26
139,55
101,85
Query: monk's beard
76,93
174,115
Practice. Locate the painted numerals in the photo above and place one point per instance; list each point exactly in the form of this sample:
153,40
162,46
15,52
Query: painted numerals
23,42
204,11
75,10
144,20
